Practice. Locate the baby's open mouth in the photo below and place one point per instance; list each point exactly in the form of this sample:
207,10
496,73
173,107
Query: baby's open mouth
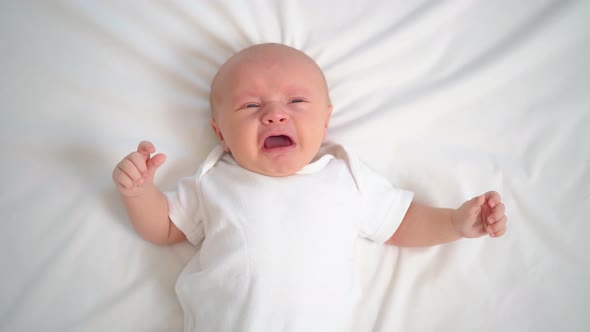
279,141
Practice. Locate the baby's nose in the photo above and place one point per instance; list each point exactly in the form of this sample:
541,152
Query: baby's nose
275,115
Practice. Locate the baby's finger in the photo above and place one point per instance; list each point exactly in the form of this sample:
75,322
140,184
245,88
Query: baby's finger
499,233
475,204
139,161
497,213
497,227
123,180
126,166
493,198
146,148
155,162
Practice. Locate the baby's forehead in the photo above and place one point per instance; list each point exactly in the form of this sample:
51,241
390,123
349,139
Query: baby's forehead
267,55
271,50
270,59
245,65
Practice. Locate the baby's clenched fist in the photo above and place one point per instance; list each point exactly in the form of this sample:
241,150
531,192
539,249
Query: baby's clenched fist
137,169
484,214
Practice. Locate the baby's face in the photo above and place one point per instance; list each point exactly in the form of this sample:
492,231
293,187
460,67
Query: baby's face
271,109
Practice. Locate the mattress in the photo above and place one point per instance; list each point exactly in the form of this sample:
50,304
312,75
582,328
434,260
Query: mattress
447,99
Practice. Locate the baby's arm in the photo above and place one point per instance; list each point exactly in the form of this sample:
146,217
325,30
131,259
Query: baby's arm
426,226
146,206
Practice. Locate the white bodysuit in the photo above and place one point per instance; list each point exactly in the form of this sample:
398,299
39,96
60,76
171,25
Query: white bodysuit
277,252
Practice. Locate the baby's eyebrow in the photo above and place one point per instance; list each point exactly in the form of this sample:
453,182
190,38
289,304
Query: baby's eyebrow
297,89
298,92
241,95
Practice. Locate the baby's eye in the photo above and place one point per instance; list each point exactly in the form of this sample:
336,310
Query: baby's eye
297,100
251,105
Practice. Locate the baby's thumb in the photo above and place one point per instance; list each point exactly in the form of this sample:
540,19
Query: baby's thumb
155,162
474,204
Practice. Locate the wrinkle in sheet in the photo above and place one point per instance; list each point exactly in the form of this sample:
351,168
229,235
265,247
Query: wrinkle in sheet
498,49
125,36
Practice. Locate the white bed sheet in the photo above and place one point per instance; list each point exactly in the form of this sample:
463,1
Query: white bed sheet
448,99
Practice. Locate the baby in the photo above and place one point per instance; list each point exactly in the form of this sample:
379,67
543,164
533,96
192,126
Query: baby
277,209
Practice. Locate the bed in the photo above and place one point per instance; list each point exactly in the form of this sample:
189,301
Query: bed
448,99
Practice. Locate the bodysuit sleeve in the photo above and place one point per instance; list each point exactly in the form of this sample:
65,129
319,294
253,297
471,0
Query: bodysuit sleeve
184,209
383,206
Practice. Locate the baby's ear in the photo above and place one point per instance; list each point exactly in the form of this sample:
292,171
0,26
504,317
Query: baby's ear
218,133
330,108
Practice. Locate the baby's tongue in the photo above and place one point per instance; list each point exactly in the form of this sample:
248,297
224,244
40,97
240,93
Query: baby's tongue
272,142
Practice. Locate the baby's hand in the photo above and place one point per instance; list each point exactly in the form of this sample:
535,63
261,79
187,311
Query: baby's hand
137,169
481,215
